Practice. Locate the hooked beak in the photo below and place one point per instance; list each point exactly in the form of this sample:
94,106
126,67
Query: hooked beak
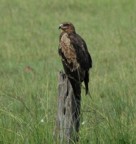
60,26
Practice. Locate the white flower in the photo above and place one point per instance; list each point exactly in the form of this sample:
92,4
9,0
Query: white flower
83,122
42,120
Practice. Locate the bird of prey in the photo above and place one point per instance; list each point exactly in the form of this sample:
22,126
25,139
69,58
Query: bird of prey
75,57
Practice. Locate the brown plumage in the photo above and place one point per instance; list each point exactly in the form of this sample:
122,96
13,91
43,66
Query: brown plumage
75,57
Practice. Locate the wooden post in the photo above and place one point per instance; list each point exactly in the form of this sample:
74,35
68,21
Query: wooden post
68,116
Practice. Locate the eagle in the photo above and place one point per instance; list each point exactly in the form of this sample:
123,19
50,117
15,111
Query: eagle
75,57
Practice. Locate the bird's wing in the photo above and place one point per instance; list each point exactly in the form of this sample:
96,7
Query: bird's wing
83,56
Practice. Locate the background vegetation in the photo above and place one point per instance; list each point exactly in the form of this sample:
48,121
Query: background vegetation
29,65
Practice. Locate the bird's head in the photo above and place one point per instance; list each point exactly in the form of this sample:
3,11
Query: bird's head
67,27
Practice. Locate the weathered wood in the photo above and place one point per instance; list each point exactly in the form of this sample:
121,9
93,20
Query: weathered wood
68,116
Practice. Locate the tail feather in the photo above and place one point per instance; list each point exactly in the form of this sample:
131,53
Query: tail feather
86,81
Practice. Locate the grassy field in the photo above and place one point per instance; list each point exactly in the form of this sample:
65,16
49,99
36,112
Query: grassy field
29,65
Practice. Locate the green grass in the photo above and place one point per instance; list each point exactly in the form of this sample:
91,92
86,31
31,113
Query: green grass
29,65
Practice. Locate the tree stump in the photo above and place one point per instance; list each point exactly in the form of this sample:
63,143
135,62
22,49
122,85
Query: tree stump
68,115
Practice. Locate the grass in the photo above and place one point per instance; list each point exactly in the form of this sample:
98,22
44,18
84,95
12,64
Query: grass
29,65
